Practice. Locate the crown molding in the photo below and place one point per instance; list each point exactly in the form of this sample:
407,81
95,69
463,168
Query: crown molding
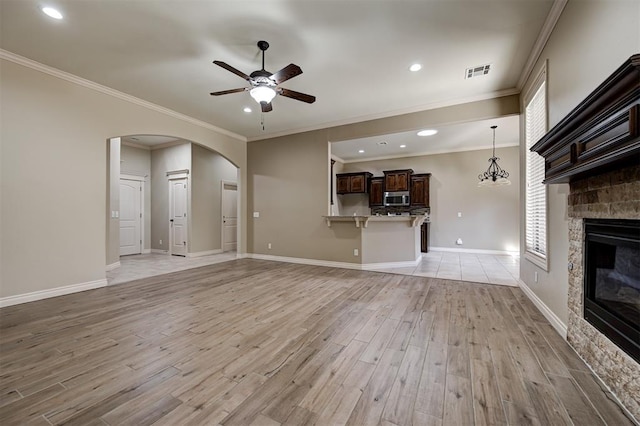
29,63
388,114
541,42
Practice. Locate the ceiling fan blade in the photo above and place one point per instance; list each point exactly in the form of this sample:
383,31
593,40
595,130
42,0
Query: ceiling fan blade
286,73
266,107
226,92
297,95
232,69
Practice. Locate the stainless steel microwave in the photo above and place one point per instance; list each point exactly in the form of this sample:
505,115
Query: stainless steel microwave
399,198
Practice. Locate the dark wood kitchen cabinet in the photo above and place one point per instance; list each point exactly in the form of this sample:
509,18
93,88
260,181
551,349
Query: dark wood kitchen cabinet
397,180
424,237
420,190
376,189
352,183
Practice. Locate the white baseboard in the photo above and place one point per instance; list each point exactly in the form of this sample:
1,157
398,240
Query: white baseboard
333,264
54,292
475,251
146,251
556,322
112,266
159,251
204,253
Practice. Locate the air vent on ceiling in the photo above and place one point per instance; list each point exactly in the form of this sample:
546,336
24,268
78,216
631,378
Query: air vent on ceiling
477,71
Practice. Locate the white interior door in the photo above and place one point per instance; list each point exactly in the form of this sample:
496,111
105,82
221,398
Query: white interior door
130,217
178,216
229,216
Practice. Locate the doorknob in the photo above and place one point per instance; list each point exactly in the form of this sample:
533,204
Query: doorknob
170,220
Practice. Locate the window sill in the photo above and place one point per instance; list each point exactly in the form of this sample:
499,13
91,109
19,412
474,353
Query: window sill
537,260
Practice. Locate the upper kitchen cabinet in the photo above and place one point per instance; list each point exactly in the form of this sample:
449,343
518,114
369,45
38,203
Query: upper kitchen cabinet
420,190
352,183
397,180
376,189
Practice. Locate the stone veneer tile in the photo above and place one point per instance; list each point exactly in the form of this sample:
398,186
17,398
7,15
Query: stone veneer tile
599,181
613,195
626,208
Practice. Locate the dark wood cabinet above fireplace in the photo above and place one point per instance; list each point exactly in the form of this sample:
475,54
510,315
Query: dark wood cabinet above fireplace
600,134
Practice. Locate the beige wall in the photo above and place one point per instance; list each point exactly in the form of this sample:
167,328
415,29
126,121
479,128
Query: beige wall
137,161
53,174
454,188
289,187
208,170
590,40
289,181
112,224
170,159
390,242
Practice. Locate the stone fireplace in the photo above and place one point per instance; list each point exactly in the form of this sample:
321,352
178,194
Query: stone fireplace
612,195
596,149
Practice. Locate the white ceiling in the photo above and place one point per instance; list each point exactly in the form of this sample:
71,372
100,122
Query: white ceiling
452,138
355,54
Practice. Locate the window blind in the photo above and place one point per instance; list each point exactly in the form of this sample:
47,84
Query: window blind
536,191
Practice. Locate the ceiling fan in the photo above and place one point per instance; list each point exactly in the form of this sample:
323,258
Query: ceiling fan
264,85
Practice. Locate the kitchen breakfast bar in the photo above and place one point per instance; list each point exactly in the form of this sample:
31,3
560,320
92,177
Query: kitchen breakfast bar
385,241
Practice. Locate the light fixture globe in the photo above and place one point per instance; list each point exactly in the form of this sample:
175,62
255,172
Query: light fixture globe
495,175
262,94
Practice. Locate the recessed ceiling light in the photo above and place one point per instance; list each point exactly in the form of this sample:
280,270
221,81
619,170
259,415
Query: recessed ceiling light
403,146
428,132
247,109
361,151
51,12
415,67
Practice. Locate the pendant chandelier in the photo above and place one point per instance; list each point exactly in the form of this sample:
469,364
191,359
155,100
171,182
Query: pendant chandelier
495,175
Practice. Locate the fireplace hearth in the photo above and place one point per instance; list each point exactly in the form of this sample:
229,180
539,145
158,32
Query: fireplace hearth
612,281
596,149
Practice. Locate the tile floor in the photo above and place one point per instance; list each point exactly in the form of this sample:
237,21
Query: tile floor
139,266
480,268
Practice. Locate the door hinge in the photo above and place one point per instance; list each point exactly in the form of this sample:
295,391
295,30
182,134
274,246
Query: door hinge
140,214
185,215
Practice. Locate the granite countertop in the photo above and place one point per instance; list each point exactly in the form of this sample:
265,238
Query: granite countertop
415,220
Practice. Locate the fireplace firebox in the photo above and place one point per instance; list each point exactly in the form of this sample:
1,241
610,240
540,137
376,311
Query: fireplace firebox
612,281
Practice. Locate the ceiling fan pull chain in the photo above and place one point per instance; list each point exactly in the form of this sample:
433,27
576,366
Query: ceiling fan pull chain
262,120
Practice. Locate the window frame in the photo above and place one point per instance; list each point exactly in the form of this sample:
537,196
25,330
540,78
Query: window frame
536,257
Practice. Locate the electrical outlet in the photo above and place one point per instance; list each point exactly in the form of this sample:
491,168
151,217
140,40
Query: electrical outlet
459,214
459,241
269,246
256,214
160,242
355,252
535,276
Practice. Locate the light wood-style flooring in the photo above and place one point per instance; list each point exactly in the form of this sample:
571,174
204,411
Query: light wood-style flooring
251,342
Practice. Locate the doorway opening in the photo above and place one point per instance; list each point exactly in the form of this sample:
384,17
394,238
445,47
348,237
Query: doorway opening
165,196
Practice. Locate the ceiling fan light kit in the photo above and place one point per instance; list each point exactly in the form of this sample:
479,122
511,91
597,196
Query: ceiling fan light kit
264,85
495,175
262,94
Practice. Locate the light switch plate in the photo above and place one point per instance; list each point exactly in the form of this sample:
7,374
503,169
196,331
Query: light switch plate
256,214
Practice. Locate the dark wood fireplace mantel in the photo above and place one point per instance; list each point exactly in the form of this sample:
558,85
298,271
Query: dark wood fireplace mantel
600,134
